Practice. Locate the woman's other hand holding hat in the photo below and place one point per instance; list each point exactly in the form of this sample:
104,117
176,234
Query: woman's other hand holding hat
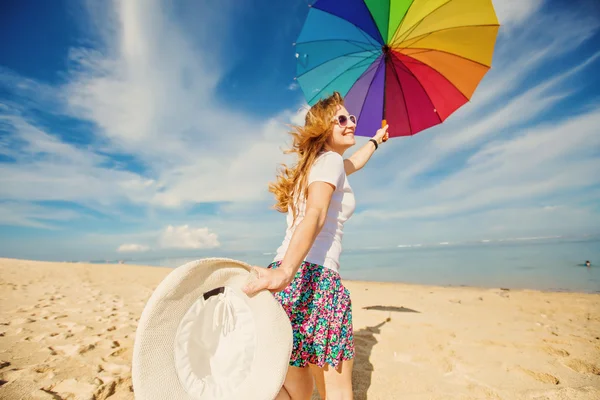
274,280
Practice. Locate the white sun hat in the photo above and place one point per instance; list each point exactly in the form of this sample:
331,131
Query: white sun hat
201,337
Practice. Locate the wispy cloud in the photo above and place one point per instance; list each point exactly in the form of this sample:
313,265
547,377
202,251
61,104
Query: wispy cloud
159,140
34,215
132,248
542,161
149,94
500,111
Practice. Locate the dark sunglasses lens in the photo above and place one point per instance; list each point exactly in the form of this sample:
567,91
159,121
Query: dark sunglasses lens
343,120
353,119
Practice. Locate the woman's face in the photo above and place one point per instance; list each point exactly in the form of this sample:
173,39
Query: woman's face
342,137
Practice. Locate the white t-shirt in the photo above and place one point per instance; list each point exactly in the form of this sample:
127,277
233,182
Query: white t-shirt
326,250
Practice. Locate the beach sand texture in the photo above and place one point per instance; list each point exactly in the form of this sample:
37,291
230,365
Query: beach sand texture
67,332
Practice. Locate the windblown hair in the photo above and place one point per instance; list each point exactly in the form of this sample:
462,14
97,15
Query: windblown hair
308,141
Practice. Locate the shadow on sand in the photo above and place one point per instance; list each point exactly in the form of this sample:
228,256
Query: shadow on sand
390,308
364,341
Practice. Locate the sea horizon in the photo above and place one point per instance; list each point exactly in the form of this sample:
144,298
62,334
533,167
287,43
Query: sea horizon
550,263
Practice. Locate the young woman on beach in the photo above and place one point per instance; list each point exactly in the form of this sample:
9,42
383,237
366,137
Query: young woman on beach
304,277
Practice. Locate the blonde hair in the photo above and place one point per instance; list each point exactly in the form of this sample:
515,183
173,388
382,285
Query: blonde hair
308,141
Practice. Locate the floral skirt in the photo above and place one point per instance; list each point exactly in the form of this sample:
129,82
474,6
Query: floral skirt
320,311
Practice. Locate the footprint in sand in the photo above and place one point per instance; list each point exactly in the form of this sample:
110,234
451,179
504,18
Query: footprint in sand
114,369
583,367
541,376
71,388
119,352
73,327
12,374
71,349
38,338
446,365
67,325
556,352
20,321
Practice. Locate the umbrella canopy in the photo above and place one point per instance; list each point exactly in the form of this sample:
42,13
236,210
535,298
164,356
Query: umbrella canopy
410,62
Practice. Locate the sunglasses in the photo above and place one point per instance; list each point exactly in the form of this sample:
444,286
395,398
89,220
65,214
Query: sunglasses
343,119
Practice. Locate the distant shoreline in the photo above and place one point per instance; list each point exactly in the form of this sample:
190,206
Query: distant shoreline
357,281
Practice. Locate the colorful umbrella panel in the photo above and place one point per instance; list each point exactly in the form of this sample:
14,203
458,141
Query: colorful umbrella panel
410,62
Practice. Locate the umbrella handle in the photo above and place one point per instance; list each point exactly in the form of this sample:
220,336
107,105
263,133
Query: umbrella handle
383,123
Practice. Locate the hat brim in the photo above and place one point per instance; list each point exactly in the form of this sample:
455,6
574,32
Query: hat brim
154,372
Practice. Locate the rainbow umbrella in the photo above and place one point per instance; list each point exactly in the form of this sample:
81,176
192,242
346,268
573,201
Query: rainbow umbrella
410,62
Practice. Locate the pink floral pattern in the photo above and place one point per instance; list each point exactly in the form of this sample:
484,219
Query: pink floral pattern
320,311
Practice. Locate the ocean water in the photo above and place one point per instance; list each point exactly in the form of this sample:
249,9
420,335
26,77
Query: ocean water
533,263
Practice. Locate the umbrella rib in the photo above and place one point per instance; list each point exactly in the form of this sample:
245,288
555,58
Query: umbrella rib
445,52
365,34
367,94
383,39
412,28
401,21
387,34
337,76
424,35
403,97
419,82
354,42
419,62
349,55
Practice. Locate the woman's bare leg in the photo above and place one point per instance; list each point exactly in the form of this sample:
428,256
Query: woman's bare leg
283,395
319,378
298,384
338,382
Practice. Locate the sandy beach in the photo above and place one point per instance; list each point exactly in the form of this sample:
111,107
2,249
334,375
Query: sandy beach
67,332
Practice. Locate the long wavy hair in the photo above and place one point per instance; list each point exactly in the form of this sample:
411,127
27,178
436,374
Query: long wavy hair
308,141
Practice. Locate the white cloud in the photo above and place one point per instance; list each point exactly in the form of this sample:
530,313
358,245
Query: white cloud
166,114
33,215
47,168
515,12
148,91
503,223
186,237
132,248
513,96
544,160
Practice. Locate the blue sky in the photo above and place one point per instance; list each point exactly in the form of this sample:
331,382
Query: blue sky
142,129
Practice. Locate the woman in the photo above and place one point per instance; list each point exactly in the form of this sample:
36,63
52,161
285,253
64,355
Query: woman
304,276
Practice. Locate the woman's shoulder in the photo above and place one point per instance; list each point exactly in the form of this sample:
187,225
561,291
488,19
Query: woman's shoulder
328,166
330,156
